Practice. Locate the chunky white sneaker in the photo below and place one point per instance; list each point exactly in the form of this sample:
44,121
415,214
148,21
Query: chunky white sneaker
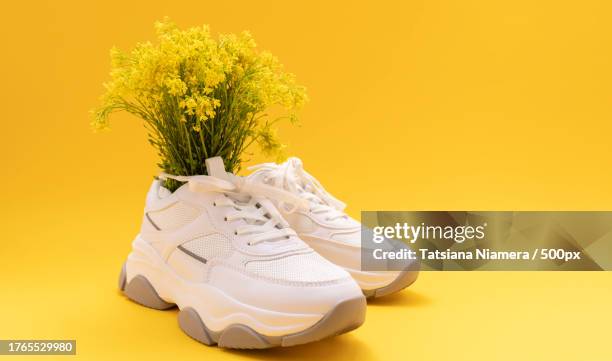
327,229
239,274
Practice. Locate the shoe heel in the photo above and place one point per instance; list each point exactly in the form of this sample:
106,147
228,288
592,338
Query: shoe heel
141,291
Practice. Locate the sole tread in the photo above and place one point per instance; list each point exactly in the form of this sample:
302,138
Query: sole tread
344,317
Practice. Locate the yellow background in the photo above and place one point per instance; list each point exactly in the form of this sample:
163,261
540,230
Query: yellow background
423,105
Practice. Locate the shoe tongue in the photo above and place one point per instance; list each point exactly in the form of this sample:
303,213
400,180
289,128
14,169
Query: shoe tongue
215,168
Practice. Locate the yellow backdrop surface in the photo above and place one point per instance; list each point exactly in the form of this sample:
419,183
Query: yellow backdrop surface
415,105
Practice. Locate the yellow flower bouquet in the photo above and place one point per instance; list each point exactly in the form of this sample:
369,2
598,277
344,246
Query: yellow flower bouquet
200,97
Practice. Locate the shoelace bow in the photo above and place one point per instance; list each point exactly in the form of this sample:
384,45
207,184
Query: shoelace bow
292,177
263,223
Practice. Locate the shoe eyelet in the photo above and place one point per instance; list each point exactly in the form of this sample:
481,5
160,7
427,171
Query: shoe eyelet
214,204
225,219
235,233
249,244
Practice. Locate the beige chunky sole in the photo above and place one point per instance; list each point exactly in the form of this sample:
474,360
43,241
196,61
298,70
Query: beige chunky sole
344,317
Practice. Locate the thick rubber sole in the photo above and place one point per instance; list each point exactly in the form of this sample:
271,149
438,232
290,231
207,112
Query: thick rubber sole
344,317
403,280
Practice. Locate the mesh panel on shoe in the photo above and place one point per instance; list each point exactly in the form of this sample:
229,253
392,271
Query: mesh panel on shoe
310,267
174,216
209,246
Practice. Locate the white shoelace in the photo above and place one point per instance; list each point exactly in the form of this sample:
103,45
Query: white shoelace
262,223
292,177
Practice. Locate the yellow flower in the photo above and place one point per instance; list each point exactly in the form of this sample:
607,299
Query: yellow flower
188,79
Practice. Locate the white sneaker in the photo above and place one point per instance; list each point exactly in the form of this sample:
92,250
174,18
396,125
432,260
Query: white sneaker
327,229
239,274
